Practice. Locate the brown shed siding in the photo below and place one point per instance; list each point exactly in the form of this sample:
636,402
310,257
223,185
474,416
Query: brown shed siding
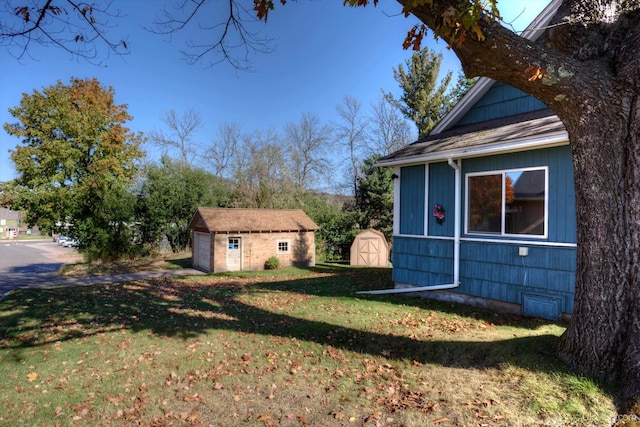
258,231
258,247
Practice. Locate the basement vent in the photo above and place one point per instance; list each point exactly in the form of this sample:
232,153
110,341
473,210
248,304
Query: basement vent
541,306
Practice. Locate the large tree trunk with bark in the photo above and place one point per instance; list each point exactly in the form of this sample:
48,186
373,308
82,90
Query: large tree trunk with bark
603,337
588,72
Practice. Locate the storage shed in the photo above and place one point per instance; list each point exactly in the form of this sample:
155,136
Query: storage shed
370,248
243,239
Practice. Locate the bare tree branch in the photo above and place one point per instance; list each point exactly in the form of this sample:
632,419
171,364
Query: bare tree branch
181,129
78,28
228,41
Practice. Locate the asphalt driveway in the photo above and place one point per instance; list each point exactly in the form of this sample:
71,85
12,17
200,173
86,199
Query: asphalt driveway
32,263
37,264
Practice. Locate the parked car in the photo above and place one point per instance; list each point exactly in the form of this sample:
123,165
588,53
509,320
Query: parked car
61,239
70,243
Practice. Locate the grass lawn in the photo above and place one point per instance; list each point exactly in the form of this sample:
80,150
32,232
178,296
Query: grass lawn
98,268
294,347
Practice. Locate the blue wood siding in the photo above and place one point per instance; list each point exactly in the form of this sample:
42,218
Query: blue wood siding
562,208
441,191
500,101
412,198
489,270
422,262
542,282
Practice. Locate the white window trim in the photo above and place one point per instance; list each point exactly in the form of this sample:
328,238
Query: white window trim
427,209
288,242
502,219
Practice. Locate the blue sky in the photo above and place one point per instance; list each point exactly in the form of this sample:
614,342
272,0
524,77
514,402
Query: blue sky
323,52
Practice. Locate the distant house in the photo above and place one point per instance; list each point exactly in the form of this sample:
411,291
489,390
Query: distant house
243,239
499,169
9,223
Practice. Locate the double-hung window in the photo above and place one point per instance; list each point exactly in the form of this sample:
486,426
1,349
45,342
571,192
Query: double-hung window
510,202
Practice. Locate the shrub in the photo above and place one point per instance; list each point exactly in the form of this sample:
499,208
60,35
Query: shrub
272,263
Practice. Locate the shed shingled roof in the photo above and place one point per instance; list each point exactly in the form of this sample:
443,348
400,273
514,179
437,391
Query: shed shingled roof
235,220
482,134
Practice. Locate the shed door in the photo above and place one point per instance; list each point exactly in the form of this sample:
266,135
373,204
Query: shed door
234,254
369,251
202,251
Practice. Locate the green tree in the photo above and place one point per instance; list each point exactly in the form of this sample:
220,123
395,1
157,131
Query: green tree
374,197
338,224
424,100
168,196
76,163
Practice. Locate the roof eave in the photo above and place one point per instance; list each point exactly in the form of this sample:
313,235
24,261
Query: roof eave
548,140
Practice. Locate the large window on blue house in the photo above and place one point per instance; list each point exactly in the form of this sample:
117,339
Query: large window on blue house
510,202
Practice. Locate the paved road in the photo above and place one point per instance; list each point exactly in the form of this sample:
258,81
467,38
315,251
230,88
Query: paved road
33,262
37,264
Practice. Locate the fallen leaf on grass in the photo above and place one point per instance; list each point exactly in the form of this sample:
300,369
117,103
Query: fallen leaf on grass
267,420
440,420
31,377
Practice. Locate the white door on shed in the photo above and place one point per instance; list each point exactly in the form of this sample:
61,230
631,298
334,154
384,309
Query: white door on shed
234,254
202,251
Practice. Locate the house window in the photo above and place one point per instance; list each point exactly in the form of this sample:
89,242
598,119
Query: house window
512,202
283,246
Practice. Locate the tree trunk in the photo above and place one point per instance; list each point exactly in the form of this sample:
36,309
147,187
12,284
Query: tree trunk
603,336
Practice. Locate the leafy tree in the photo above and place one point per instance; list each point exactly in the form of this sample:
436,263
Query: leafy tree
338,223
167,198
374,197
104,223
424,100
75,163
462,86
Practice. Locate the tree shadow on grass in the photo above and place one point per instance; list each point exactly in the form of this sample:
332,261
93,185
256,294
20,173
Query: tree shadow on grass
183,309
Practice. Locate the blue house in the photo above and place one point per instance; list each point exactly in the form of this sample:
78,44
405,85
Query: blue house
484,209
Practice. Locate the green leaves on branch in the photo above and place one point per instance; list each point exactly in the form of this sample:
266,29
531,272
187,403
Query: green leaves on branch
454,24
75,162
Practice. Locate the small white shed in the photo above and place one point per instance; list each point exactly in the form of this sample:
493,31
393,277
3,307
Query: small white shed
370,248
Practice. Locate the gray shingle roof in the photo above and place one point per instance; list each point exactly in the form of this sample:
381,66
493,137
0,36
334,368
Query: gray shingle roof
478,135
6,213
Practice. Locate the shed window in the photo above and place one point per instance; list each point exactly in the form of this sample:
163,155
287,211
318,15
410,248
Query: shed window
512,202
234,243
283,246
